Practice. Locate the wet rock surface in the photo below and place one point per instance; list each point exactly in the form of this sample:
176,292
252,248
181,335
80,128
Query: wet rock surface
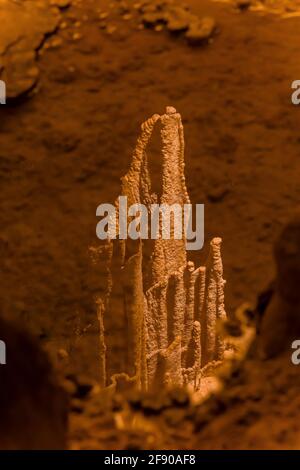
24,26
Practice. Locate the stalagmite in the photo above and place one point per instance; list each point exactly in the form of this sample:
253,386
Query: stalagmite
196,343
171,308
170,365
179,303
210,317
191,275
102,345
201,296
221,314
134,312
214,308
157,326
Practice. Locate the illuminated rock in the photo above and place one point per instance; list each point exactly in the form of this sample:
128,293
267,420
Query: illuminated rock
24,26
171,309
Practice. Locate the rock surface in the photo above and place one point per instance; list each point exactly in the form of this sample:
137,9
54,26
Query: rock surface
24,26
178,18
201,31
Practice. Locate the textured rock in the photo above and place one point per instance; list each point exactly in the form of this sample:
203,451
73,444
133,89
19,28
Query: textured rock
23,29
201,31
152,18
178,19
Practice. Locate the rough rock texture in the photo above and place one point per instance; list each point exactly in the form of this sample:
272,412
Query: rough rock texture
201,31
33,407
24,26
133,421
257,408
178,18
172,310
175,17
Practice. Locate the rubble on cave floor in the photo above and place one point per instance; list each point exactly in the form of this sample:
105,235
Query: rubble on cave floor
175,17
284,8
30,27
256,408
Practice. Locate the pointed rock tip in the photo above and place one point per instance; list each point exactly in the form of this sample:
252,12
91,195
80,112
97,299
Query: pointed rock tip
216,241
170,110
